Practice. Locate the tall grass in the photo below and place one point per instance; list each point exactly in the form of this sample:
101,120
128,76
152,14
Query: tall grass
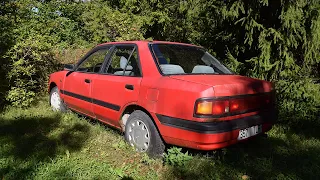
37,143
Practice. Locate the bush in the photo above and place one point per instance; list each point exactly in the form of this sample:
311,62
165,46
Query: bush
32,61
105,24
299,100
70,55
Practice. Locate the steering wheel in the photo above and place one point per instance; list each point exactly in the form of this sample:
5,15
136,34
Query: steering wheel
97,66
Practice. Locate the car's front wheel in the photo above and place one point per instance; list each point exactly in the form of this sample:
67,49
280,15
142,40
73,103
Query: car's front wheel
141,133
55,100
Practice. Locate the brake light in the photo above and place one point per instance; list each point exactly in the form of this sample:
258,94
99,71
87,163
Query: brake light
234,106
220,107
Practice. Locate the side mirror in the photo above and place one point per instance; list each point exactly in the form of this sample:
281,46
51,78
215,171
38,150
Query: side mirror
69,67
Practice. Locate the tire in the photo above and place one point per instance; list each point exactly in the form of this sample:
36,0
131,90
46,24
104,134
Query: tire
55,101
139,124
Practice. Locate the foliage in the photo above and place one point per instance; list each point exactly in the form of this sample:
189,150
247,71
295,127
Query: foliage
30,59
303,104
175,157
276,40
6,41
105,24
31,62
272,40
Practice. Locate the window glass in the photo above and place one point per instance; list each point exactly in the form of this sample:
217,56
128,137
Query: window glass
184,59
94,62
124,61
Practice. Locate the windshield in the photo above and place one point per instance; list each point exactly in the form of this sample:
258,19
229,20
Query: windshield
184,59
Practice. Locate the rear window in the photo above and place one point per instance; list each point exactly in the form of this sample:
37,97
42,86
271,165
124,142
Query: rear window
184,59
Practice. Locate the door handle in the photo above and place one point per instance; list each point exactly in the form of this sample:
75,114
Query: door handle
87,80
129,86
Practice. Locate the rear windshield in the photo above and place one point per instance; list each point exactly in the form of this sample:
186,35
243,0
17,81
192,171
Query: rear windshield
184,59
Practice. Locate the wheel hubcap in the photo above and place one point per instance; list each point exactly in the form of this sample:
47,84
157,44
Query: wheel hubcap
138,135
55,101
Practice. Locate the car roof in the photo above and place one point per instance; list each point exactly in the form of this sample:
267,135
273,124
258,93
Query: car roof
147,42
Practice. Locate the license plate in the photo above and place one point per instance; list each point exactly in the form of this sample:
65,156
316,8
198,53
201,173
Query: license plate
250,131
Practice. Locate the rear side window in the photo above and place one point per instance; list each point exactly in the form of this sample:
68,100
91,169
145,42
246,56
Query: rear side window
124,61
184,59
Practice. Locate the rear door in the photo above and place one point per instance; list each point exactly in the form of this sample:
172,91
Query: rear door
118,84
76,90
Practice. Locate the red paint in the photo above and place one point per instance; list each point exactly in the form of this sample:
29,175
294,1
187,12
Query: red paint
173,96
110,88
72,84
152,94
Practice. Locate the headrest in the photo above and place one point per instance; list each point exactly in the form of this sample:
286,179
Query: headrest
202,69
123,63
171,69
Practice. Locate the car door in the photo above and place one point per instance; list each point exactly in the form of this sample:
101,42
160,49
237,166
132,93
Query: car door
118,84
77,85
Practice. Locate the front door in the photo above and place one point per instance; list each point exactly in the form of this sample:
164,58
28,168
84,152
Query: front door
118,85
77,86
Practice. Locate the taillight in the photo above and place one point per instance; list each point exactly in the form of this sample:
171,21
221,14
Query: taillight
211,107
220,107
232,105
204,108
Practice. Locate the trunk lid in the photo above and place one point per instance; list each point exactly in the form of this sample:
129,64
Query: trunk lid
229,85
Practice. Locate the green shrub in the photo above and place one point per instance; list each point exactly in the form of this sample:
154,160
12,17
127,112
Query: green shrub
32,61
106,24
281,44
299,100
175,157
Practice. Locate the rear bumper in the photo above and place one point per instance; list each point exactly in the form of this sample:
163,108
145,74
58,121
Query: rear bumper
210,135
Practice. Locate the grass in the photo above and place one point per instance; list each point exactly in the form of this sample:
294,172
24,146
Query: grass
37,143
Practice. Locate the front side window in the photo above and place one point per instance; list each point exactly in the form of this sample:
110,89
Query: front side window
184,59
93,63
124,61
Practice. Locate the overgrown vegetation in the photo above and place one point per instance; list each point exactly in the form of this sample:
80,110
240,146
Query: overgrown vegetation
37,143
271,40
275,40
175,157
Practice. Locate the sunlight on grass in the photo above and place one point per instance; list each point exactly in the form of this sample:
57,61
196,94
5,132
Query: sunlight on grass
37,143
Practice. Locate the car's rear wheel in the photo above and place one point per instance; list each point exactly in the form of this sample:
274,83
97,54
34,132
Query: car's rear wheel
55,100
141,133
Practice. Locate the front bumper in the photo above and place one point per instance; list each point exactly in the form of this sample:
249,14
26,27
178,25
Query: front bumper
211,135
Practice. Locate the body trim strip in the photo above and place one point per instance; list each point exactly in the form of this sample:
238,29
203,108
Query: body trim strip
217,126
90,100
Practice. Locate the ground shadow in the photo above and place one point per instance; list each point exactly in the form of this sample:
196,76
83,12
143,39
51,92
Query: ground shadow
306,126
26,142
259,158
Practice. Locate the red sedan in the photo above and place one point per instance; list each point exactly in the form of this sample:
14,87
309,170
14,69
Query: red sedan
165,93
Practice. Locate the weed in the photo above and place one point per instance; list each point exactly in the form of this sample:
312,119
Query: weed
174,157
145,159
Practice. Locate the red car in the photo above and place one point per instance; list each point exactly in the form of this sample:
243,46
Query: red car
165,93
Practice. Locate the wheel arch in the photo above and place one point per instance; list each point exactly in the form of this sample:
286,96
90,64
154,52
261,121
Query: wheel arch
130,109
51,86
